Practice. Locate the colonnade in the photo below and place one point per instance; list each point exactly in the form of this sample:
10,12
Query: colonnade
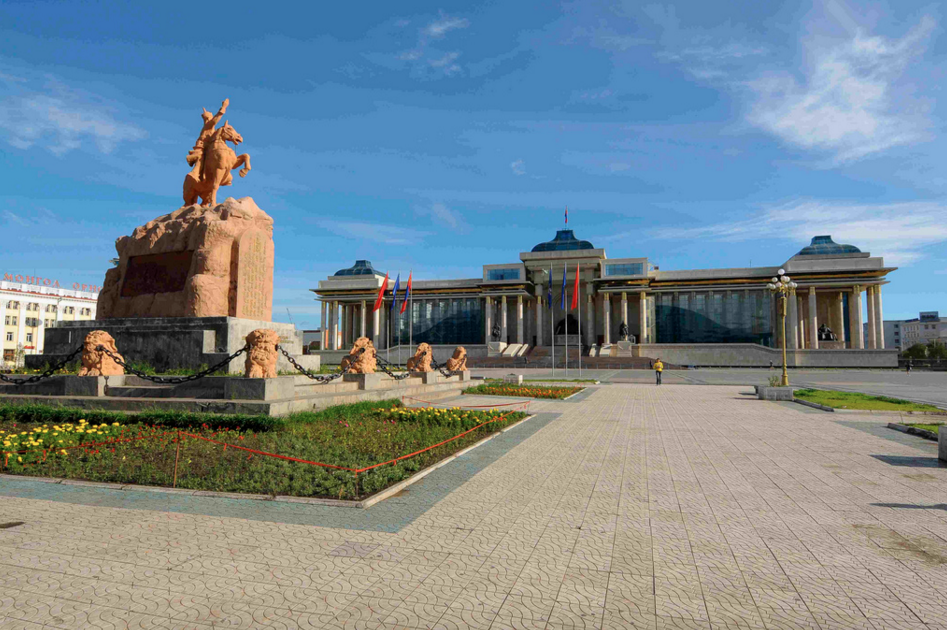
803,317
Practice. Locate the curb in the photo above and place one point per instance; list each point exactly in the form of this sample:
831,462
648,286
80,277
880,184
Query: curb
364,503
806,403
924,433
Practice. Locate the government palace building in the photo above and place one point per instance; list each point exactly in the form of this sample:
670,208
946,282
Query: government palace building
705,317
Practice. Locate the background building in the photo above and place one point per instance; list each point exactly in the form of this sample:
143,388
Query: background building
928,326
28,308
700,316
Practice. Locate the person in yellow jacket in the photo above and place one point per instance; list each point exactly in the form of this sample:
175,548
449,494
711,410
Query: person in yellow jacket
658,368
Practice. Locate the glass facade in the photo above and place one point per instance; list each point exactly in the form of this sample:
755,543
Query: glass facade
715,317
626,269
503,274
442,321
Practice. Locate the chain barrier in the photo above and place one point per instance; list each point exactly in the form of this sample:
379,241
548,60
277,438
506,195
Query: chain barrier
440,368
321,378
172,380
49,371
383,365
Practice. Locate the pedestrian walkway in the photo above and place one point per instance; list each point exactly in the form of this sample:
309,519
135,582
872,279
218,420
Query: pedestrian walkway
673,507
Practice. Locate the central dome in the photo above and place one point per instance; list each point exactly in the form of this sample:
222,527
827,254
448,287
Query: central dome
565,241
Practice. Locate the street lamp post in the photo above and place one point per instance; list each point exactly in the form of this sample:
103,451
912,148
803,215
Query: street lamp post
783,288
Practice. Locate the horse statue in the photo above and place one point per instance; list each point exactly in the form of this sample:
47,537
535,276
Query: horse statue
213,169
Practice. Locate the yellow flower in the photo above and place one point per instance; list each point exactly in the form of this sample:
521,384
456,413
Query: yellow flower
19,459
63,451
115,424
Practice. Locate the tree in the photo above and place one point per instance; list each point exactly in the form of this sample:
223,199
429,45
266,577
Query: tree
917,351
936,350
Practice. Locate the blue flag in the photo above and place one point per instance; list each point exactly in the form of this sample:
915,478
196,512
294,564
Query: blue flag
562,298
394,294
549,290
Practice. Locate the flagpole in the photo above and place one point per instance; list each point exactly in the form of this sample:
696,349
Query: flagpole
552,322
566,316
394,304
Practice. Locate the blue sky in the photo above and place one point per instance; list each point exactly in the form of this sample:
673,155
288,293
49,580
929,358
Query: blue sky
442,136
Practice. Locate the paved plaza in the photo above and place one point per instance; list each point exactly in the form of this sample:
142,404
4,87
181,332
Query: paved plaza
920,385
631,506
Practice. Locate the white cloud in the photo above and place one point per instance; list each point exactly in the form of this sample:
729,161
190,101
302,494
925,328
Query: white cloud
426,61
848,104
518,167
442,26
60,119
898,231
440,213
377,233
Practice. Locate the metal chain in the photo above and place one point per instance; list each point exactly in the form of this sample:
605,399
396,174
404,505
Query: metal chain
322,378
172,380
440,368
49,372
384,368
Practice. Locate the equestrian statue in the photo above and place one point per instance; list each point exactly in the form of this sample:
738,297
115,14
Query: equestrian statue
212,160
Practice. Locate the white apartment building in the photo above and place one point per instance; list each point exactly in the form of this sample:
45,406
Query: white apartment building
30,305
929,326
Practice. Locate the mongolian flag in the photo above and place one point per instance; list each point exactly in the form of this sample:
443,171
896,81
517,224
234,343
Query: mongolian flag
381,294
567,215
394,294
562,298
407,294
575,291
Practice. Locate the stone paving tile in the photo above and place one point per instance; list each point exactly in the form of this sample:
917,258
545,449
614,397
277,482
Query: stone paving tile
633,507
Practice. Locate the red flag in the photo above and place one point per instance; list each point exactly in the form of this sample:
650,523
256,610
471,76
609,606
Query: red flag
575,291
381,294
407,294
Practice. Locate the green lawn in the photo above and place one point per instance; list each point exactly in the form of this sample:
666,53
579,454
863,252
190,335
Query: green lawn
933,428
854,400
352,436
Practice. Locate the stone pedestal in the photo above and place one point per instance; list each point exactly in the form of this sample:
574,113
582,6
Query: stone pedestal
574,340
831,345
515,379
495,348
172,342
194,262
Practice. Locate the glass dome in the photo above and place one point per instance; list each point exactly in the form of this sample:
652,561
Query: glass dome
823,245
360,268
565,241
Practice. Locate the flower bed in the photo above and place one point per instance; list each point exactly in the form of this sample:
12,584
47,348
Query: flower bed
524,391
348,436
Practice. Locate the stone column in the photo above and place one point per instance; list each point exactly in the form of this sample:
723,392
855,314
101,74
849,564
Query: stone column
487,320
590,317
539,315
792,323
607,318
21,324
376,328
855,319
872,318
624,310
324,345
643,318
813,320
838,316
801,310
519,319
879,320
333,325
503,336
364,322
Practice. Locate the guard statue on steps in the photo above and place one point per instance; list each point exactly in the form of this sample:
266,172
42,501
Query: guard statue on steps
623,332
496,331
